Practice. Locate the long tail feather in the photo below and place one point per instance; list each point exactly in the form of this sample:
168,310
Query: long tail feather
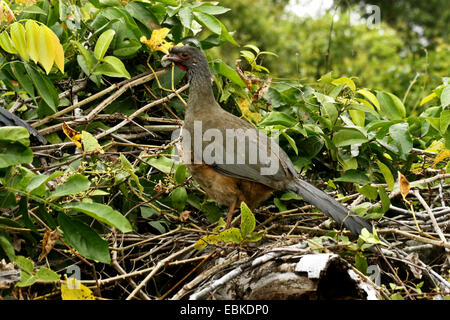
329,206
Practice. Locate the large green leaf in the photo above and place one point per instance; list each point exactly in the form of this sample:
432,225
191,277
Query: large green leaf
103,43
444,121
348,136
211,9
102,213
445,96
15,134
387,174
44,87
179,197
278,118
83,239
226,71
75,184
354,176
185,14
400,134
391,106
14,153
112,67
209,21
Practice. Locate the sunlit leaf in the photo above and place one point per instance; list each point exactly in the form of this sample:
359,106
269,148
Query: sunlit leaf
47,48
32,29
103,43
19,39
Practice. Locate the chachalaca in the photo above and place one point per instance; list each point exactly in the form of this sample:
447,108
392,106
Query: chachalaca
223,177
9,119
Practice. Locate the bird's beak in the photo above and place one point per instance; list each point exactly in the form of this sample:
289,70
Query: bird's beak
170,58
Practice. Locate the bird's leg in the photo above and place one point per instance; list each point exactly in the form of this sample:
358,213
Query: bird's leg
230,214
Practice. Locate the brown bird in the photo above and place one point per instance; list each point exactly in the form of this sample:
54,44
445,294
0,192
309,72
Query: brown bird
242,163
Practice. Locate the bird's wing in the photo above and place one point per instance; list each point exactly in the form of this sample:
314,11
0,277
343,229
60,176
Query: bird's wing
247,153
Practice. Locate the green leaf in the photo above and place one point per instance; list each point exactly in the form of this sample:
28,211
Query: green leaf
161,163
354,176
103,213
391,106
348,136
445,96
44,87
75,184
7,246
185,14
103,43
209,22
232,235
20,74
90,143
346,81
370,96
47,275
248,221
112,67
291,142
85,53
179,198
25,264
385,201
211,9
15,134
278,118
12,154
444,120
361,262
358,117
26,279
368,191
226,71
180,174
83,239
388,177
400,134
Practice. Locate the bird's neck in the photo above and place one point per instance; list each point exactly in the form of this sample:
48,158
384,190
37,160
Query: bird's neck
201,96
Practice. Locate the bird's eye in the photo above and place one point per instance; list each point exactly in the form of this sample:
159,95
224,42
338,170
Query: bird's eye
184,55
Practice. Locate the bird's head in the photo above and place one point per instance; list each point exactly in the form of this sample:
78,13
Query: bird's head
186,57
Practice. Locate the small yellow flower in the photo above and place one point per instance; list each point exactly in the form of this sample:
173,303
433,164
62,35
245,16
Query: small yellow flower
157,42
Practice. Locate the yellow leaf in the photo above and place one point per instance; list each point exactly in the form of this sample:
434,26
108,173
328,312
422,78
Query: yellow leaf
244,106
428,98
19,39
6,43
404,185
370,96
72,289
47,48
347,81
365,102
436,146
59,53
73,135
157,41
32,29
444,154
